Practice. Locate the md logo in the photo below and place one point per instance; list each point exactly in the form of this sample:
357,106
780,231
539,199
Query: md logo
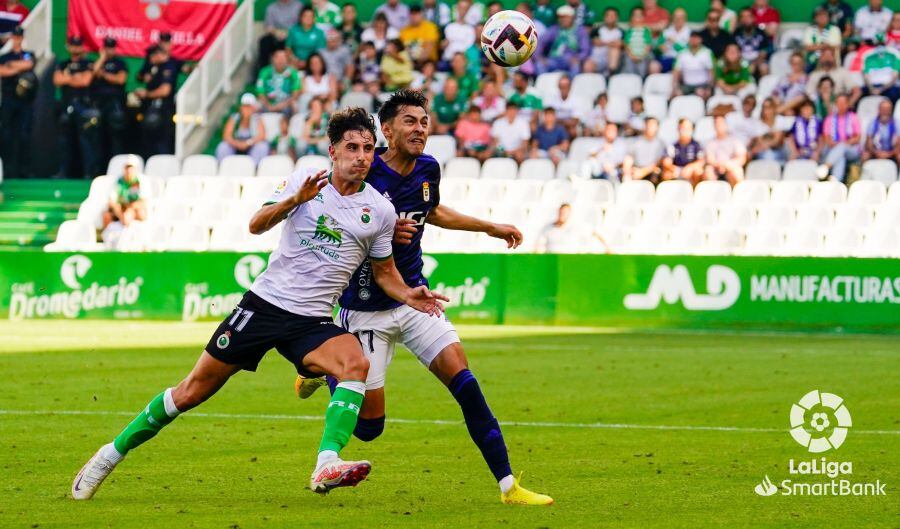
674,284
247,268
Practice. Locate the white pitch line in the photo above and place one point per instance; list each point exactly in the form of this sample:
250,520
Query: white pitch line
441,422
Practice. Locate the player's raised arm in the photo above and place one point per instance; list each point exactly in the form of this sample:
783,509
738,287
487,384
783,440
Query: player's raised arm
450,219
274,211
420,298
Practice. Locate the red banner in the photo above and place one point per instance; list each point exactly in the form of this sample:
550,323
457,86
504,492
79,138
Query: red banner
137,24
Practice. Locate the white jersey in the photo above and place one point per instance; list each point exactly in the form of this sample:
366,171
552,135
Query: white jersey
323,242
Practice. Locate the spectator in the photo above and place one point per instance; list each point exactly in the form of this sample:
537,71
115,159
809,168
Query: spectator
634,125
559,236
728,19
840,14
566,106
158,104
606,160
351,30
712,35
473,136
244,133
493,8
78,120
655,17
638,45
466,12
436,12
284,142
426,79
314,138
459,69
380,33
594,122
584,16
742,124
281,15
882,139
725,155
18,88
790,91
825,96
767,17
490,102
525,9
842,79
893,33
110,75
822,34
368,69
841,135
544,13
645,155
337,55
805,141
328,15
447,107
754,43
12,15
692,73
732,72
396,66
769,141
318,82
607,43
126,201
278,85
880,71
550,140
177,66
421,37
676,38
511,133
458,38
871,20
528,101
565,46
396,12
304,38
685,158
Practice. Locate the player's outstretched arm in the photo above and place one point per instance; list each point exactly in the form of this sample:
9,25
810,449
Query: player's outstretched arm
270,215
420,298
450,219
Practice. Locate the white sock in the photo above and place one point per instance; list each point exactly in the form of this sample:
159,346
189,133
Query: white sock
169,402
324,457
109,452
506,483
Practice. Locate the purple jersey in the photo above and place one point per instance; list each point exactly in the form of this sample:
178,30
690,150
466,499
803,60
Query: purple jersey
413,197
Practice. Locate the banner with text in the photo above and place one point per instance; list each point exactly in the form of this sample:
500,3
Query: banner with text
136,24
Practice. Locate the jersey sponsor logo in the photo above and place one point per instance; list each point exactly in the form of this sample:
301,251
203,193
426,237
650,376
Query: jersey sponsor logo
674,284
417,216
327,230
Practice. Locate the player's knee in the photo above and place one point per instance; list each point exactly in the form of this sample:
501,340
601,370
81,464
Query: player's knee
356,368
369,429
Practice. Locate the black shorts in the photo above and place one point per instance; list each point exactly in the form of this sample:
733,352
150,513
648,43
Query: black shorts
256,326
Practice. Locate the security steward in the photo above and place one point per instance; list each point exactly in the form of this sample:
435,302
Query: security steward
110,75
79,119
158,104
18,88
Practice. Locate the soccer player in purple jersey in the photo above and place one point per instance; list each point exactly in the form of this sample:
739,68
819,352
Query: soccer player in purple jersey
411,181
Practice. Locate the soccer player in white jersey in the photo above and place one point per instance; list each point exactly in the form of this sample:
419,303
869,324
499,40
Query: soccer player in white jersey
411,180
332,224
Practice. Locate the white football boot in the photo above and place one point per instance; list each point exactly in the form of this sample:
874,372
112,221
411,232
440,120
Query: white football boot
91,476
339,473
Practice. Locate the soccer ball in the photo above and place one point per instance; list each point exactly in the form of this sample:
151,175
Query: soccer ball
509,38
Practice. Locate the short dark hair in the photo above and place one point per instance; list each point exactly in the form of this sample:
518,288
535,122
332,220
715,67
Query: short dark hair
402,98
349,119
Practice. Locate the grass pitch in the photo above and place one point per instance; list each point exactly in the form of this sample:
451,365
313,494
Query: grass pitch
622,429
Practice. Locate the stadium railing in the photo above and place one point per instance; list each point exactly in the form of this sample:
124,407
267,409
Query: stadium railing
213,74
37,27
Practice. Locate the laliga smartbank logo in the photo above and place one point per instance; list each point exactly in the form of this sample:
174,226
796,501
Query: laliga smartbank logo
199,302
27,301
820,422
470,293
674,284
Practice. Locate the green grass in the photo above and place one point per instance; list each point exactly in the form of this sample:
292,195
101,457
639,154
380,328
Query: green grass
224,471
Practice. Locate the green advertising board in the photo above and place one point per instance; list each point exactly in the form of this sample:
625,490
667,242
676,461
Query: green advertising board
628,291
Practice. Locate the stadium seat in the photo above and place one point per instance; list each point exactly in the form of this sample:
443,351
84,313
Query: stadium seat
737,216
162,165
74,236
152,187
298,123
750,192
91,213
555,192
867,108
656,106
790,193
620,216
200,165
515,214
210,213
237,165
763,241
689,106
595,192
766,86
723,99
763,170
188,237
800,170
567,169
487,190
537,169
685,241
228,237
780,63
255,191
635,192
454,190
722,241
582,147
527,191
827,193
790,38
705,130
712,193
881,243
644,240
659,215
462,168
815,216
276,165
675,192
271,123
315,161
588,85
151,236
618,108
867,193
500,169
547,84
853,216
668,130
775,216
116,165
893,196
442,147
220,189
587,216
658,84
842,242
887,216
803,242
182,189
628,85
358,99
698,216
264,242
884,171
170,212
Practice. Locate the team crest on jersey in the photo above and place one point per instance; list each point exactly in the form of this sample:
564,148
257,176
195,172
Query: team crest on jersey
364,294
327,230
426,192
223,340
365,218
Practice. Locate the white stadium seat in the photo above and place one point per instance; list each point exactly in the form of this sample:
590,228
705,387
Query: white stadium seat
780,63
442,147
737,216
75,236
800,170
454,190
587,216
557,192
188,237
763,170
618,109
658,84
722,241
689,106
228,237
255,191
208,214
200,165
659,216
271,124
750,192
500,169
635,192
884,171
893,196
162,165
547,84
867,193
676,192
537,169
358,99
152,236
314,161
887,216
790,38
219,189
276,165
582,147
723,100
803,242
152,187
567,169
881,243
237,165
621,216
854,216
527,191
791,193
712,193
763,241
182,189
842,242
705,130
656,107
116,165
625,84
598,192
668,130
827,193
644,240
867,108
588,85
815,216
698,216
171,212
462,168
775,216
766,86
686,240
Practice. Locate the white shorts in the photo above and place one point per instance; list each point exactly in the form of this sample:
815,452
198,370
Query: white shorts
379,332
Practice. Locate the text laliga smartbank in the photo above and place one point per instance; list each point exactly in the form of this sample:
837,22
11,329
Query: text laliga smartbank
835,487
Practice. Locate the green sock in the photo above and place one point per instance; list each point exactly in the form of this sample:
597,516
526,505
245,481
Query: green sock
147,424
341,415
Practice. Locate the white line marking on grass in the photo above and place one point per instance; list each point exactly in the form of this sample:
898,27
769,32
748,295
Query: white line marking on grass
527,424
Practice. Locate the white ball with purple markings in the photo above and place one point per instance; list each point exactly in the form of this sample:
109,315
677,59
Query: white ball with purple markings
509,38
